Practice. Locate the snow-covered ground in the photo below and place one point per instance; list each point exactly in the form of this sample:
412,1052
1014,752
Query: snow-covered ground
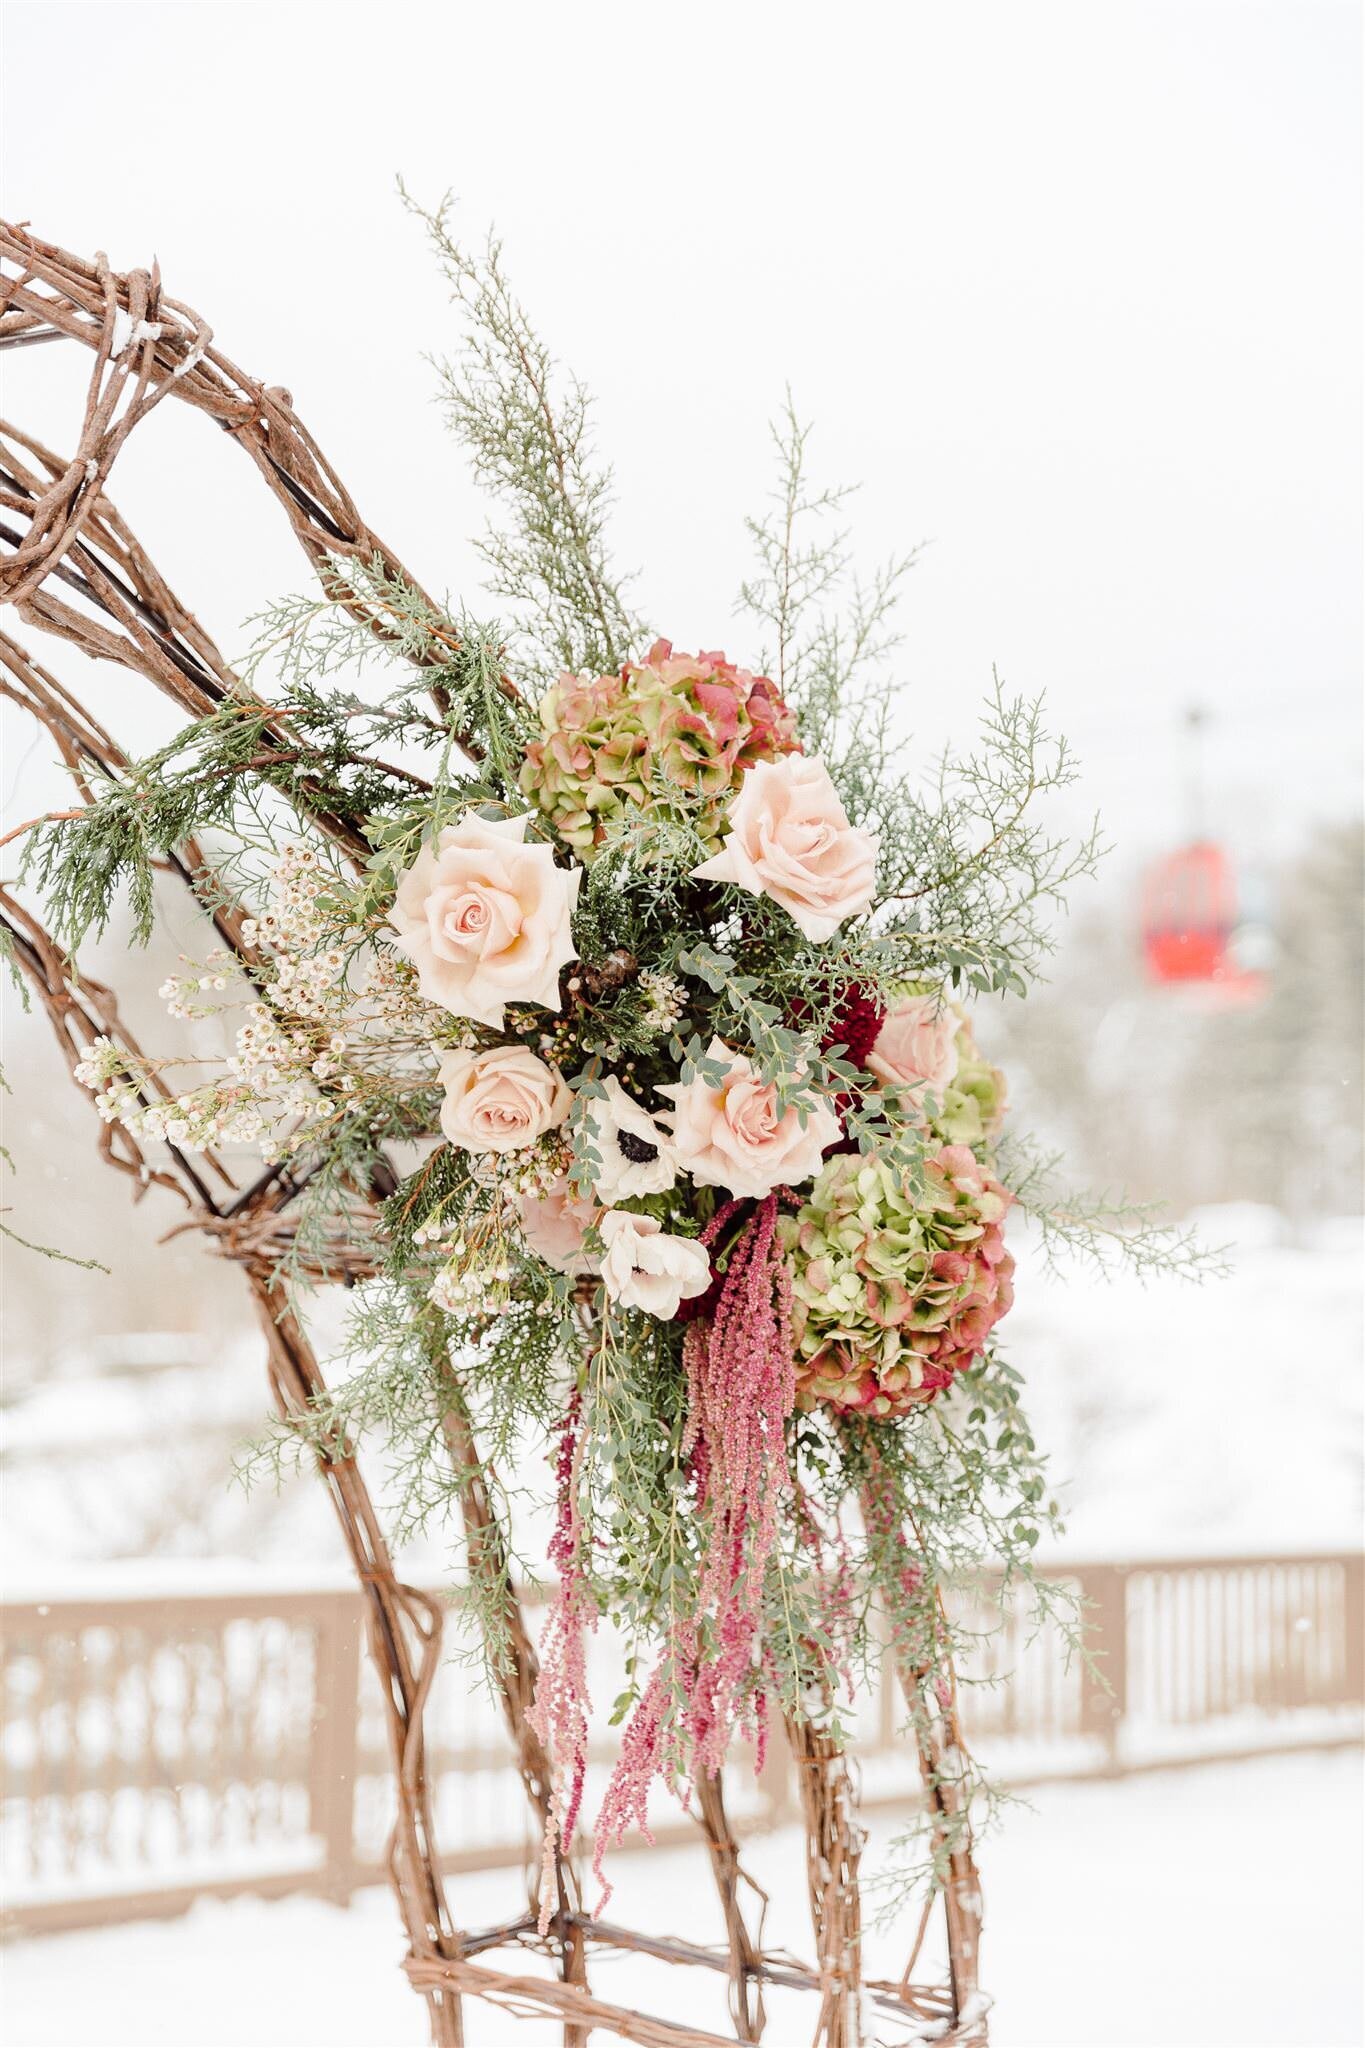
1210,1908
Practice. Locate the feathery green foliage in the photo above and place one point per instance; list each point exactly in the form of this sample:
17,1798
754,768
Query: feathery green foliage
526,427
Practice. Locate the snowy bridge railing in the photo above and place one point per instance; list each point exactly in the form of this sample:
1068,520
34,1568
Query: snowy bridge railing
159,1749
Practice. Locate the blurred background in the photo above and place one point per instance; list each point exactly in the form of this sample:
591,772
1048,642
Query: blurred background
1076,293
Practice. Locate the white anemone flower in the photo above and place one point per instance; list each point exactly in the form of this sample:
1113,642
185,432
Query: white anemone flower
644,1267
636,1152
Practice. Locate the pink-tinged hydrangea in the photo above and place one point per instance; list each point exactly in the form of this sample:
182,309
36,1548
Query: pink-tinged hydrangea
973,1104
685,723
894,1293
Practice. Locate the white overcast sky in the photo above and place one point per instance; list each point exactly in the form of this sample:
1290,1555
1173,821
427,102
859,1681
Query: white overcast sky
1075,289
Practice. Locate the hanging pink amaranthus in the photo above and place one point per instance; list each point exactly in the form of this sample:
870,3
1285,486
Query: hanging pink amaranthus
560,1709
741,1386
741,1389
649,1750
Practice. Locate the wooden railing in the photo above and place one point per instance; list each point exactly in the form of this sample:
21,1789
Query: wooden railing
156,1750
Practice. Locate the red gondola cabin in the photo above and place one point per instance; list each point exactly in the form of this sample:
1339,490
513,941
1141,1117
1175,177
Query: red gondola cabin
1189,911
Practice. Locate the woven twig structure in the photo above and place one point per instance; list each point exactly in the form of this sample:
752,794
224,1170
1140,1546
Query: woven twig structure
73,569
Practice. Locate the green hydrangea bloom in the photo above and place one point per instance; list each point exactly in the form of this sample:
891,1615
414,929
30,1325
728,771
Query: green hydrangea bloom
973,1105
894,1293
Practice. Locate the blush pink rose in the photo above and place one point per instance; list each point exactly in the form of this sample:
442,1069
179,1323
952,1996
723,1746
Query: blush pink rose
790,839
500,1101
644,1267
485,919
916,1048
736,1137
555,1224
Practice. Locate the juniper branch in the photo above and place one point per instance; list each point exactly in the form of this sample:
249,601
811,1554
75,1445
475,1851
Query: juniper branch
526,427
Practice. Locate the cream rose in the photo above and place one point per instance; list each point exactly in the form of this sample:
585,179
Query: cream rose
644,1267
500,1101
735,1136
636,1153
484,918
790,839
916,1048
555,1224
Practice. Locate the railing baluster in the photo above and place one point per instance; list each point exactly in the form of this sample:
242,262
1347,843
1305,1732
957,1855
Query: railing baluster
334,1747
1353,1625
235,1721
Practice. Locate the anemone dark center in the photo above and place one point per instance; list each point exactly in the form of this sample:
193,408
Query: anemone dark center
638,1151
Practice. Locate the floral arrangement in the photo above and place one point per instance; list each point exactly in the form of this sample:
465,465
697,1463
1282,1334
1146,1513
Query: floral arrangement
603,1013
747,1196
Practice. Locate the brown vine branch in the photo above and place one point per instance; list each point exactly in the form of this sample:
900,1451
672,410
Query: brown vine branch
43,818
745,1958
834,1844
